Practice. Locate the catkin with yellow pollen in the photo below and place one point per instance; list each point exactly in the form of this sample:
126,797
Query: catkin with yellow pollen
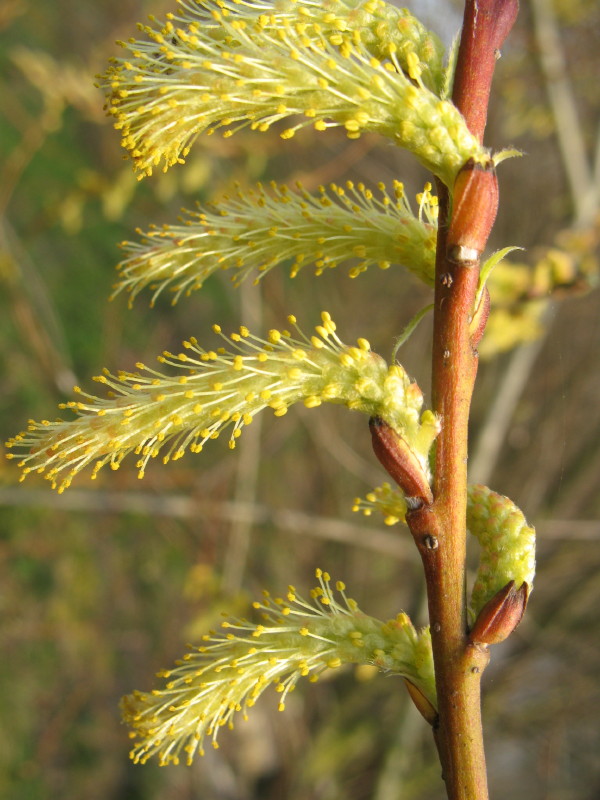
244,69
378,25
225,675
253,231
149,412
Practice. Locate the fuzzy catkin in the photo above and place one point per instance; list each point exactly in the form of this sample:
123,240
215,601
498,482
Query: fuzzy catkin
243,70
254,230
151,413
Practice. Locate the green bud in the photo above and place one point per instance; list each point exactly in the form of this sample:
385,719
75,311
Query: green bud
507,544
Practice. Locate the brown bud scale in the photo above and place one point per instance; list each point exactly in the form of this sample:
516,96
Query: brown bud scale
399,460
500,615
475,204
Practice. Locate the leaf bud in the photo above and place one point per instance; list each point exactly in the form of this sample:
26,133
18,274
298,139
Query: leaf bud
500,615
475,204
400,461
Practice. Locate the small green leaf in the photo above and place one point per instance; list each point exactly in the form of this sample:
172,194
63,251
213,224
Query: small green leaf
508,152
409,330
448,75
487,267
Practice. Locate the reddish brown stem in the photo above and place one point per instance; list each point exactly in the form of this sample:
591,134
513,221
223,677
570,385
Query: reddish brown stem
458,662
438,524
486,25
458,666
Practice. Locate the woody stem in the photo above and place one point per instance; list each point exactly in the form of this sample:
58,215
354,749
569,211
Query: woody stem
458,664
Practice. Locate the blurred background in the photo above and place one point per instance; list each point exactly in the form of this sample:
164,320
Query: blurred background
104,585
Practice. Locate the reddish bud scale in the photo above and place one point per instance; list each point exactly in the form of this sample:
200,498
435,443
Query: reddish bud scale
474,208
500,615
399,461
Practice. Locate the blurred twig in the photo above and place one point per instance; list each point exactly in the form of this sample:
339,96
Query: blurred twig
584,192
33,311
492,435
331,441
177,506
395,544
584,185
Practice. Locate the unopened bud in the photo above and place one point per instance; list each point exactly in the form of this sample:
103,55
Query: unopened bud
475,204
424,707
500,615
399,460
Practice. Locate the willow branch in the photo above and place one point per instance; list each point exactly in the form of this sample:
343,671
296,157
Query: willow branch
440,531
